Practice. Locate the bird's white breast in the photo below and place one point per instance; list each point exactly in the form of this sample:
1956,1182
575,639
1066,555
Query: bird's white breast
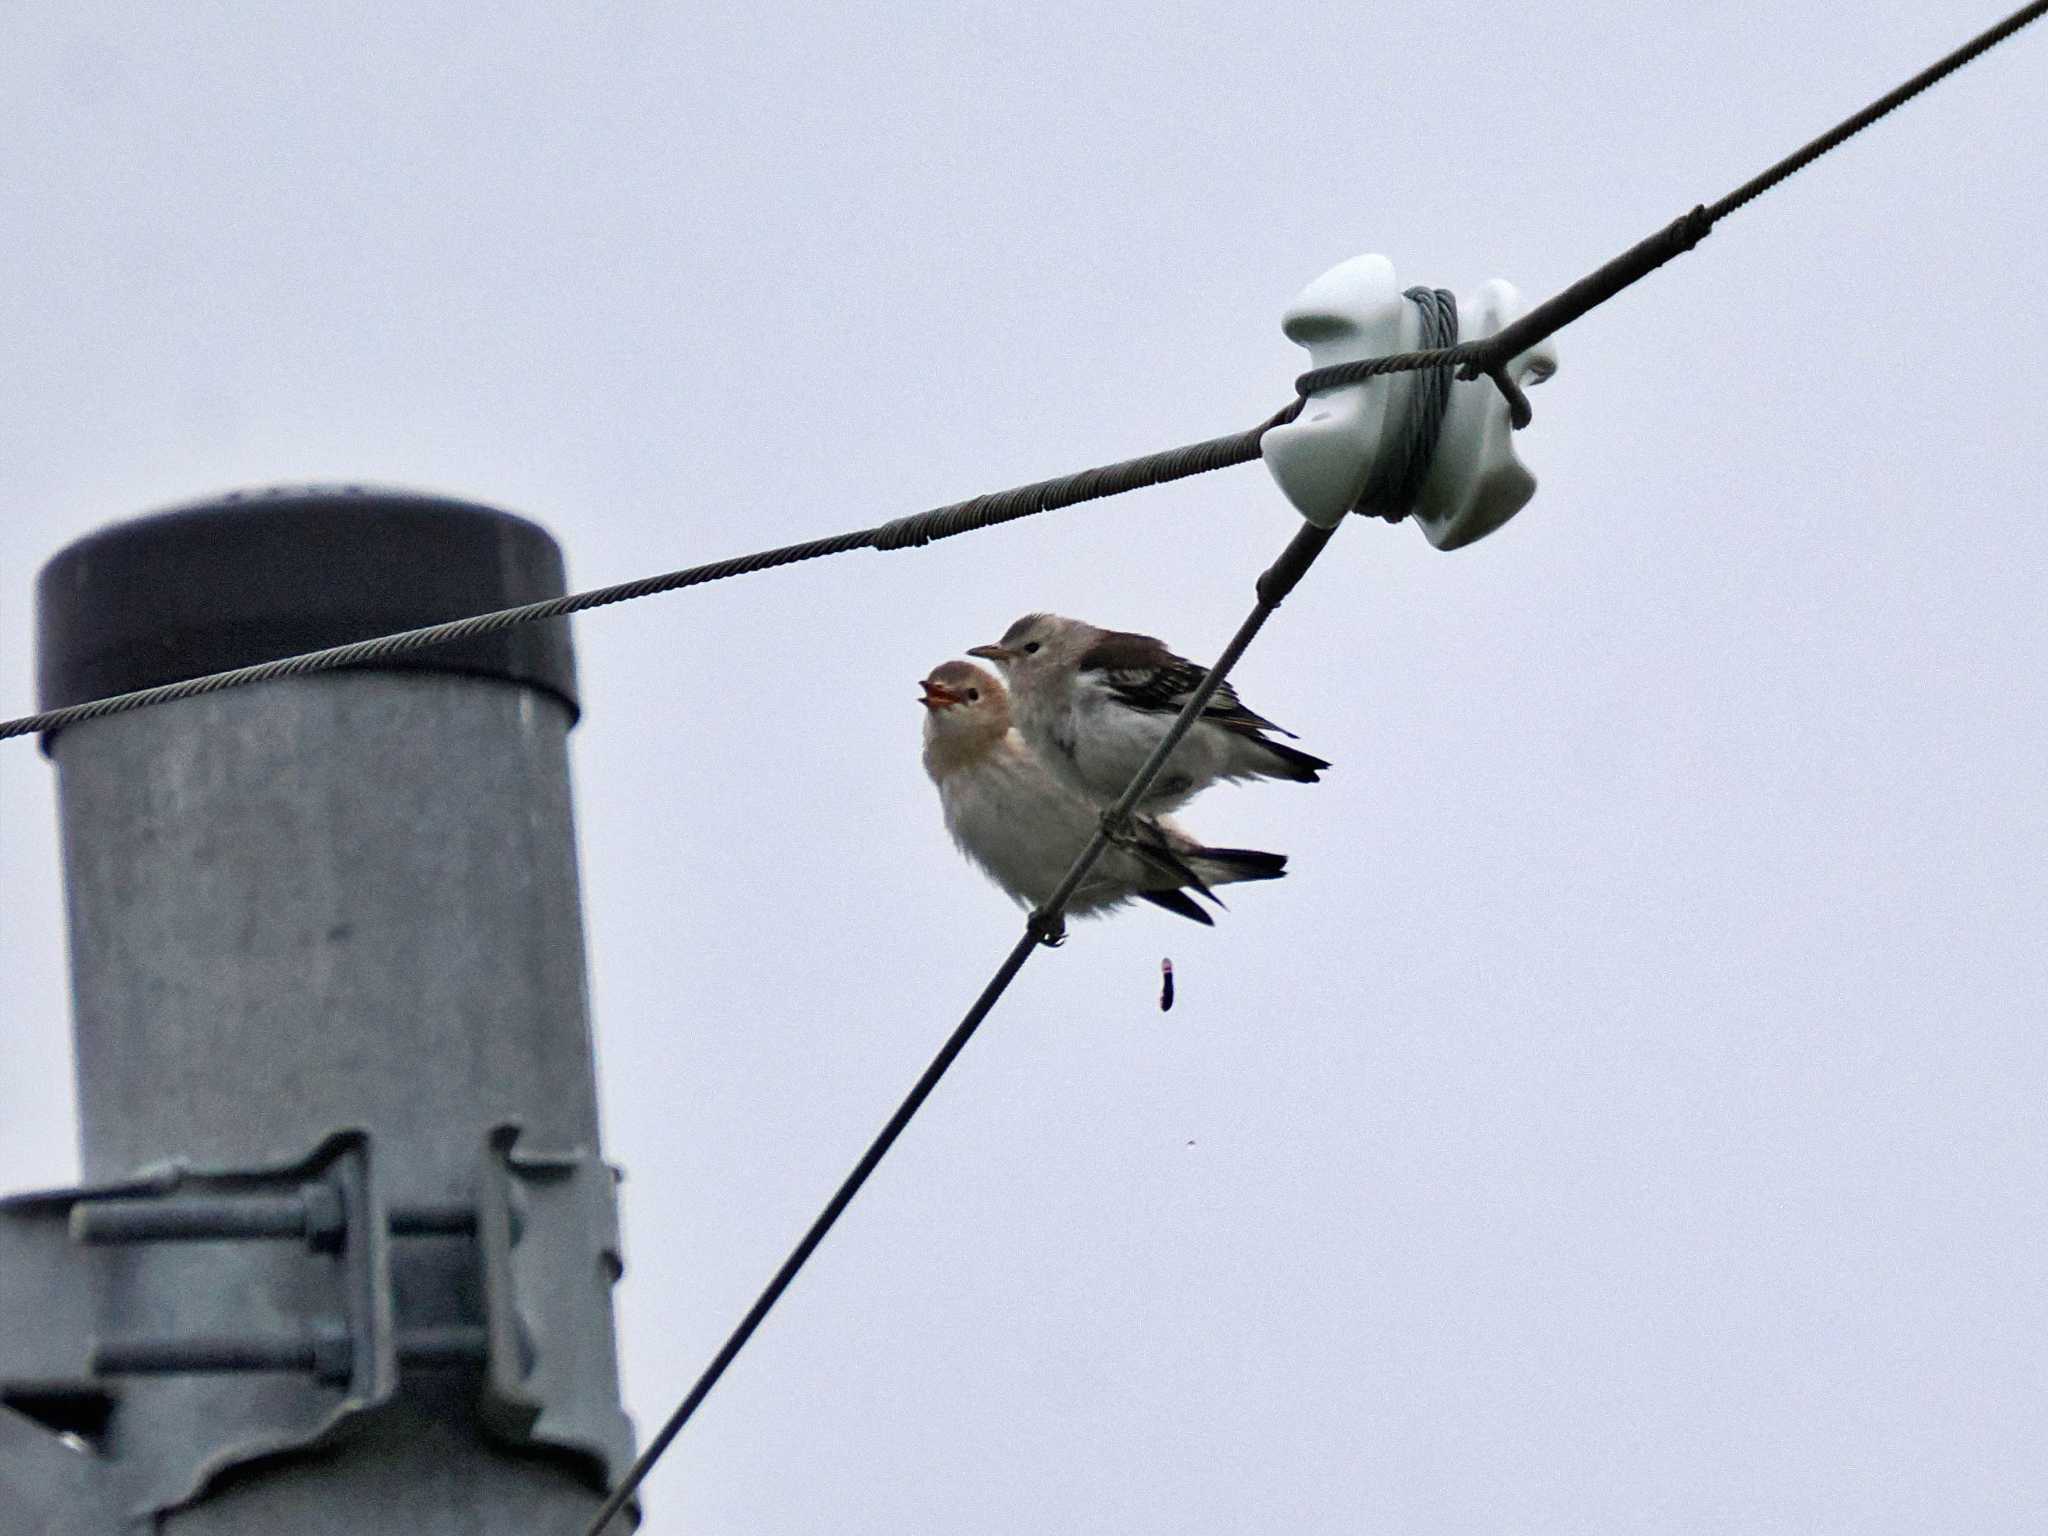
1022,826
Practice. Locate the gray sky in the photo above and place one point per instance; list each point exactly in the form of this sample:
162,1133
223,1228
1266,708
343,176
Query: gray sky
1627,1114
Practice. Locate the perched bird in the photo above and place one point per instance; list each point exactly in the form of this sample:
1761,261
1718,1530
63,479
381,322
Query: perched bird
1093,703
1025,828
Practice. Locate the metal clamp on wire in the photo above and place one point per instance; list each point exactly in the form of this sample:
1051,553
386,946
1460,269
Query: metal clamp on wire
1421,443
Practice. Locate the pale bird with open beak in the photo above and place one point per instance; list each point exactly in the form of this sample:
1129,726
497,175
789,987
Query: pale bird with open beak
1025,828
1093,703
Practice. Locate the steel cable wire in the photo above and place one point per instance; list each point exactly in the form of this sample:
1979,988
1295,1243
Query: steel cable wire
1045,925
910,532
1490,357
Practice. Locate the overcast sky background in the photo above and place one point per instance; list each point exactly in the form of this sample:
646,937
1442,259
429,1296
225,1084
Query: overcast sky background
1626,1116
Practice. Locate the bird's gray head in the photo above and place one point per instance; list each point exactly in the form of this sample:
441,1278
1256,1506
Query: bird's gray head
1036,646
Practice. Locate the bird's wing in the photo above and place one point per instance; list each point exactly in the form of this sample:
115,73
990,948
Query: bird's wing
1141,673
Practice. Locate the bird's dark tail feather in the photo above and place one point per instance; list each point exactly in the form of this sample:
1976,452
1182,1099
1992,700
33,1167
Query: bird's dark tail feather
1178,902
1220,865
1302,767
1149,843
1224,865
1244,863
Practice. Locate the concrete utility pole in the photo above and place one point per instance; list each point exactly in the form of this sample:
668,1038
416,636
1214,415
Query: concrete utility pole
343,1258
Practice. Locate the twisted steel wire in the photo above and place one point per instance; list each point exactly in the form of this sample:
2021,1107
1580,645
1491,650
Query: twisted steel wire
1391,496
1490,357
911,532
1850,126
1045,925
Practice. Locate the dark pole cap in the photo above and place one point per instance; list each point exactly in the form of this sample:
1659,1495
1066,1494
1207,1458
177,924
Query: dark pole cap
256,575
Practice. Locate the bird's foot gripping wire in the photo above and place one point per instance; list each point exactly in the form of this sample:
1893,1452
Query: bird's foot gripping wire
1049,928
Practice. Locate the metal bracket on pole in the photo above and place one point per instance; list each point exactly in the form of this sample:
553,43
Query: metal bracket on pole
325,1318
548,1248
545,1228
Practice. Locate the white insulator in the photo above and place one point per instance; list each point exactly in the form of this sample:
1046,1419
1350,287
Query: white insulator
1326,456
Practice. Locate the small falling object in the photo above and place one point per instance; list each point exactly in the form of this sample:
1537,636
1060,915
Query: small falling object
1165,985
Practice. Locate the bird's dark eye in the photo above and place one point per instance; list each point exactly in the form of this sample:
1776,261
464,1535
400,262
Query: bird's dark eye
1031,649
973,694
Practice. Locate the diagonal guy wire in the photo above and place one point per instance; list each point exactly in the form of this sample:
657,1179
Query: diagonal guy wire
1044,927
1274,585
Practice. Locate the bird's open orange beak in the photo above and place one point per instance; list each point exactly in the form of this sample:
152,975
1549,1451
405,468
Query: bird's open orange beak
993,652
937,695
